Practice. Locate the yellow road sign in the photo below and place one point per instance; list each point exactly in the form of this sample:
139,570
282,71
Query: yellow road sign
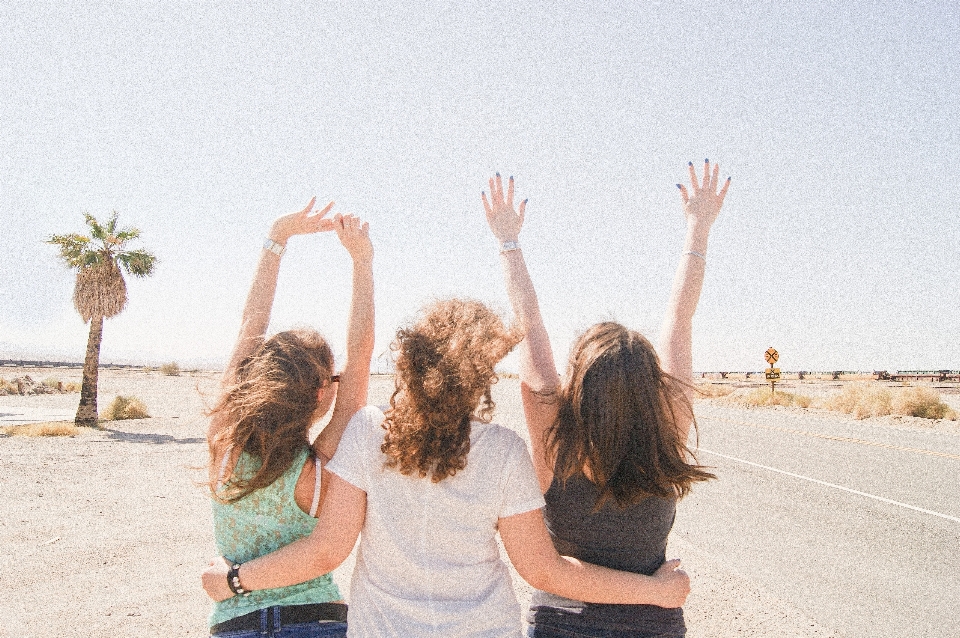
771,356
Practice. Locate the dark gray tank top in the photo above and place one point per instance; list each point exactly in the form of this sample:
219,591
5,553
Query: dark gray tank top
632,539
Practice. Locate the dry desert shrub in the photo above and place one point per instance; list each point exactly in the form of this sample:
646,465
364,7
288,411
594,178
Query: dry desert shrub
864,400
760,397
56,384
712,390
7,387
860,399
125,408
170,369
922,402
50,428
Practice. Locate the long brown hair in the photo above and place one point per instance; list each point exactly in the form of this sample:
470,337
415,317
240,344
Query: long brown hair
269,409
619,418
444,369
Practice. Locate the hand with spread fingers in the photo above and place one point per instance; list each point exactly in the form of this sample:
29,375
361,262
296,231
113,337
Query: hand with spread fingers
354,234
504,220
301,223
703,205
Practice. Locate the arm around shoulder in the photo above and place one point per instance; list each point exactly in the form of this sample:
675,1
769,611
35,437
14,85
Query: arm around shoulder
533,555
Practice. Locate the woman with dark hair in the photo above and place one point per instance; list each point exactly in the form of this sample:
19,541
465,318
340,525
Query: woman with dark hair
265,477
430,484
609,440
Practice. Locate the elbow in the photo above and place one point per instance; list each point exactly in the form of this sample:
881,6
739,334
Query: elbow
539,579
545,576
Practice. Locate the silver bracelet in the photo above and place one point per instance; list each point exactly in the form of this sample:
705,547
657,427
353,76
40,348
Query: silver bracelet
696,254
509,246
274,247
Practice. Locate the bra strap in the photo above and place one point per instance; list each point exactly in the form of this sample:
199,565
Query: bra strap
316,488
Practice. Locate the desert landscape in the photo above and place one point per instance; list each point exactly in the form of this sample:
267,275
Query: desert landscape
105,532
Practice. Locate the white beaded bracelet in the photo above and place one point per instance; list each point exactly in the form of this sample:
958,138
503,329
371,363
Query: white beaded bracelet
696,254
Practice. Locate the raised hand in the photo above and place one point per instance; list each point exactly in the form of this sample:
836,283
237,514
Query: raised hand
354,234
301,223
703,205
504,221
674,583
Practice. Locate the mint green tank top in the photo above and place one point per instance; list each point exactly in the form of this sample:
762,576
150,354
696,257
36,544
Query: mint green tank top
259,523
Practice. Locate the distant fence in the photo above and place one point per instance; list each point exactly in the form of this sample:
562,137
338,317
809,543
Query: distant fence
879,375
23,363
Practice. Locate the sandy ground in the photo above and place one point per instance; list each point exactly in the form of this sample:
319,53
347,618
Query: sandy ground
105,533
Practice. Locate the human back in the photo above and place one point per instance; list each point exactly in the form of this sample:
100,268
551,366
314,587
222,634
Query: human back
609,440
438,476
265,477
430,484
428,562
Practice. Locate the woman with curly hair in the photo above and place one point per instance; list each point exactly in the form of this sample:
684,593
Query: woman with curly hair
265,477
430,484
609,440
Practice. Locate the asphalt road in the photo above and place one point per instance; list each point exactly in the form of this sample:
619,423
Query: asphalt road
855,523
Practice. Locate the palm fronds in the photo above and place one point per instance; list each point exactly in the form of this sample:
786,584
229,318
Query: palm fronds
139,263
75,249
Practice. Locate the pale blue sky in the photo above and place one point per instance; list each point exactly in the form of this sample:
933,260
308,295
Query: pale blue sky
839,242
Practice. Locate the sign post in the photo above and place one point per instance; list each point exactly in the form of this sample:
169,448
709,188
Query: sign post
772,374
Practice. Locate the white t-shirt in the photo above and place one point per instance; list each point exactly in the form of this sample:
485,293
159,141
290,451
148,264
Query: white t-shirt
428,563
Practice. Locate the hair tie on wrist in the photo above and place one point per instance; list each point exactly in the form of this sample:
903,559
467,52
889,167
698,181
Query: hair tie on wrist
696,254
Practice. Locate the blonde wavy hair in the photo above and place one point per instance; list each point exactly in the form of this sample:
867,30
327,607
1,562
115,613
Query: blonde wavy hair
269,409
444,370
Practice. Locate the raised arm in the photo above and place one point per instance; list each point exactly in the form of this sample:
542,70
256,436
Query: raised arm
355,378
536,559
539,381
256,310
701,205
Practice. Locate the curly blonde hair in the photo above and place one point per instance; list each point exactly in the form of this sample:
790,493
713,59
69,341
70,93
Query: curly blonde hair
444,369
270,408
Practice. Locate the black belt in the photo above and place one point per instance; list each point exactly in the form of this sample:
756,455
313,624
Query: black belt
289,615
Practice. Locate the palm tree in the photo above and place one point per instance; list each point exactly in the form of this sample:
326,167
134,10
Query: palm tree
100,290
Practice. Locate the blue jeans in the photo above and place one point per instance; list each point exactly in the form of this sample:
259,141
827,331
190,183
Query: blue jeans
270,628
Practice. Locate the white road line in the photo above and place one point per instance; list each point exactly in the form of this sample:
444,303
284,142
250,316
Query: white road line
835,486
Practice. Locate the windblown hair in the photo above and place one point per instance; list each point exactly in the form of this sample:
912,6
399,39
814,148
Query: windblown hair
620,417
444,369
269,409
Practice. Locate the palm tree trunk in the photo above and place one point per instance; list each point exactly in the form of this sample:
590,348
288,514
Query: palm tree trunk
87,411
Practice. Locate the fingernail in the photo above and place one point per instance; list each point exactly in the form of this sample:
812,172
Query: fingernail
525,201
511,178
689,163
729,178
679,186
498,174
706,161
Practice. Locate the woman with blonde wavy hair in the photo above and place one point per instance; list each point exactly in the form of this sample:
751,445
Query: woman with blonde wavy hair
266,479
430,484
610,439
